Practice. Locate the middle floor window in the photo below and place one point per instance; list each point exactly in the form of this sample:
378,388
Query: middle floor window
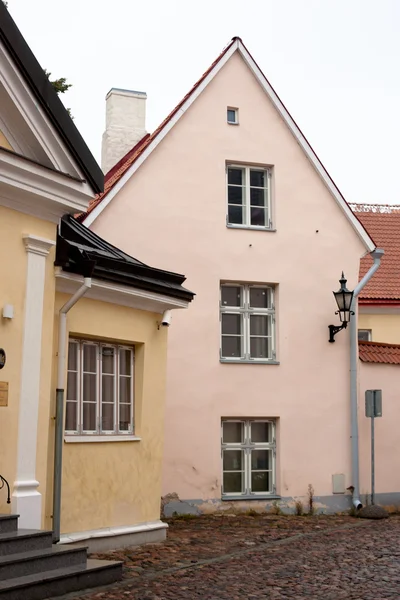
249,197
247,322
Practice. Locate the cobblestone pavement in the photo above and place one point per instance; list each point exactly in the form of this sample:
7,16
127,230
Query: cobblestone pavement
240,558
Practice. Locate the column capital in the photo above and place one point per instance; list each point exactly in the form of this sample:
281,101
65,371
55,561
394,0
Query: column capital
37,245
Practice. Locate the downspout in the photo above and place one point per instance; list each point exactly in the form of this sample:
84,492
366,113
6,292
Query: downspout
376,255
59,428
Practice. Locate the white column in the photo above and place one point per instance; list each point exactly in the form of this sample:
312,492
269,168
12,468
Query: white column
26,500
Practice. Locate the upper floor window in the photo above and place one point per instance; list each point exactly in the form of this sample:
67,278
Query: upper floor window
249,197
365,335
100,393
247,323
232,116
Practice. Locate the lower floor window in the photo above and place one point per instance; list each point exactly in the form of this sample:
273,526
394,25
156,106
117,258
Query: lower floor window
100,388
248,457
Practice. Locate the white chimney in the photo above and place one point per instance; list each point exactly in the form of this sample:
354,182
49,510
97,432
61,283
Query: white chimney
125,125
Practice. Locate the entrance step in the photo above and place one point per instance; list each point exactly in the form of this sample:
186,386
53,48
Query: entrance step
58,582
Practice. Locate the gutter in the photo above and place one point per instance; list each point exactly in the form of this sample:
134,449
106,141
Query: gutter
355,463
59,418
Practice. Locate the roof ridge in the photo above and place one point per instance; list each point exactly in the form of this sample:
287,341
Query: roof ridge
379,344
364,207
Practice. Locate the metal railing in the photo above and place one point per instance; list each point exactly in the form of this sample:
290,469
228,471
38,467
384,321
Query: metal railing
4,482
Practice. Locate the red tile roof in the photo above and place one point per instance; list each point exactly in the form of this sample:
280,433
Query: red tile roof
383,224
126,161
374,352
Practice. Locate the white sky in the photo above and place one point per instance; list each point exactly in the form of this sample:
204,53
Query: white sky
334,63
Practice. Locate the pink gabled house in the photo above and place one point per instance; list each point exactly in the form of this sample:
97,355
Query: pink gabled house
229,191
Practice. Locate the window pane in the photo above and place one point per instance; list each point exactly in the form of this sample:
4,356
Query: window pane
258,178
236,176
231,347
125,362
71,413
73,349
235,195
90,358
233,460
364,335
259,325
231,114
231,296
261,460
261,432
89,388
233,483
231,323
124,417
232,432
258,197
257,217
235,215
89,416
261,482
259,347
107,359
107,417
260,297
72,386
107,388
125,389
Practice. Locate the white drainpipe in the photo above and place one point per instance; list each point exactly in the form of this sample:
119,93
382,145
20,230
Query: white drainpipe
59,429
376,255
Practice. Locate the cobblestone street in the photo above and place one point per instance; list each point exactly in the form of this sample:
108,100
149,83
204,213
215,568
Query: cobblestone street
245,557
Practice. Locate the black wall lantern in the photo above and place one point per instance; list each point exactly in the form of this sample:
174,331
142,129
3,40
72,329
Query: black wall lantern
343,299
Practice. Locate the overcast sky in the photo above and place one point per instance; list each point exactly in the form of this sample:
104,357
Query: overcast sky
334,63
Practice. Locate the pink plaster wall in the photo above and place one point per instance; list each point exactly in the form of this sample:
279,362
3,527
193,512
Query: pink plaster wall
387,456
172,214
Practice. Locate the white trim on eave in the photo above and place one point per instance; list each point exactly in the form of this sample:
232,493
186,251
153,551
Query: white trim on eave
238,46
114,293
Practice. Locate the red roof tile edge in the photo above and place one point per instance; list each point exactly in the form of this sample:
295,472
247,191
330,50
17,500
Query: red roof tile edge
379,352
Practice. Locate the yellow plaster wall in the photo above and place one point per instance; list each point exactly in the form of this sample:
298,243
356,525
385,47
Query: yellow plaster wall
4,143
118,483
13,225
385,328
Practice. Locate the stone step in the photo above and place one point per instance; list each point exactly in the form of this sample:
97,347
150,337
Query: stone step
36,561
24,540
8,523
58,582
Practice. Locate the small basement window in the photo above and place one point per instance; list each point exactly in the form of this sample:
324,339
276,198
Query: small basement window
232,116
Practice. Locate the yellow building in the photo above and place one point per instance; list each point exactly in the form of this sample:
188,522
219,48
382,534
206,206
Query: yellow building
379,301
79,315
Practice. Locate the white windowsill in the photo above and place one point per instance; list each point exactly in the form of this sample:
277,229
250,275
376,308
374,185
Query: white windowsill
250,227
231,498
233,123
100,438
249,362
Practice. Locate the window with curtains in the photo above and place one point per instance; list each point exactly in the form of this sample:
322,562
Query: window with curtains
248,450
100,389
249,197
247,314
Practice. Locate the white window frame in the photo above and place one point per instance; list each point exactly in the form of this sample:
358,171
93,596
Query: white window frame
99,431
247,447
236,111
369,334
245,310
247,206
